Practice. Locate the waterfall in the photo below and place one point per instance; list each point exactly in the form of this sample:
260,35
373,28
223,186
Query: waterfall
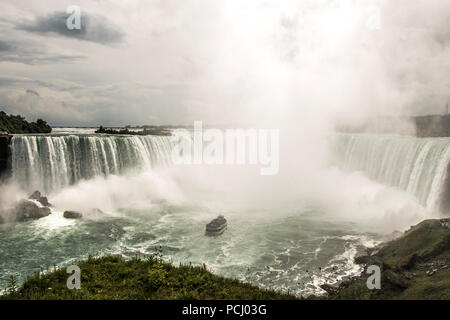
416,165
48,163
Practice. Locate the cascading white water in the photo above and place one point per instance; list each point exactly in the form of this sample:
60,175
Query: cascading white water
416,165
50,163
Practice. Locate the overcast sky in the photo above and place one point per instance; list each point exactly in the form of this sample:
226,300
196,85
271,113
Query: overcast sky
172,62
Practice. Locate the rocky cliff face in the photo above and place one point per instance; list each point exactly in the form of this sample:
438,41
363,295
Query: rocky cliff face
5,155
433,126
416,265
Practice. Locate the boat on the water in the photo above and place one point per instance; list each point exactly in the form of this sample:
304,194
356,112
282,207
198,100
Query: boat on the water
217,226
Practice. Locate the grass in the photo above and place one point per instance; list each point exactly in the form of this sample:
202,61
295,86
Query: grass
113,277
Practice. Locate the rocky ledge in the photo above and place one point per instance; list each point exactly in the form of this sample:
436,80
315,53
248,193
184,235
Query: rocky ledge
416,265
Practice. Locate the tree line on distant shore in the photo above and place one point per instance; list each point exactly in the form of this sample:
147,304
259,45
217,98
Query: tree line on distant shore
17,124
126,131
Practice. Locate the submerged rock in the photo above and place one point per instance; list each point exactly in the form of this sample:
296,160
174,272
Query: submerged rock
72,215
28,210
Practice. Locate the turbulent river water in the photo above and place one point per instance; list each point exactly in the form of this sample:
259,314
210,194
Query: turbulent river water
293,249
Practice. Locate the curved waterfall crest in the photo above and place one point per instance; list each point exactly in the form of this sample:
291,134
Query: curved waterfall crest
416,165
51,162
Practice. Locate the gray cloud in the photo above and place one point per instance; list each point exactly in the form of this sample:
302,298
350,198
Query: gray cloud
32,53
4,46
94,28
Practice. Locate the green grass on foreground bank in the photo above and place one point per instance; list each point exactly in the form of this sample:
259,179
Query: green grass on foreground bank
113,277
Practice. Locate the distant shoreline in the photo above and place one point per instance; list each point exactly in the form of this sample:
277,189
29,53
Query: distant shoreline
143,132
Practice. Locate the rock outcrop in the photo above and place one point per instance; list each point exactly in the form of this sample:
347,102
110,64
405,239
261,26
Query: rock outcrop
72,215
28,210
415,265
